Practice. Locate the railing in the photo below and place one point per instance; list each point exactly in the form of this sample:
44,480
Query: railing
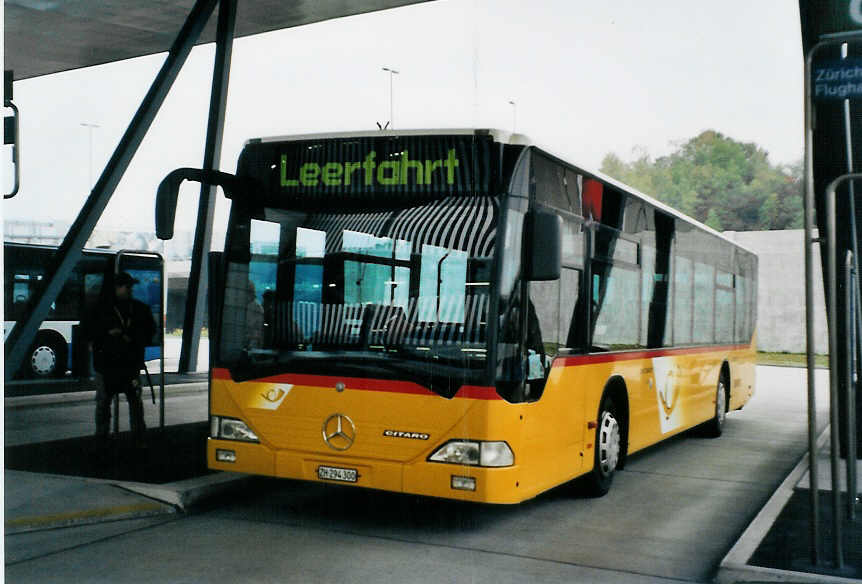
852,320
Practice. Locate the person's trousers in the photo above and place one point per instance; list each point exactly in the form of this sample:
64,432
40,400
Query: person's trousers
115,383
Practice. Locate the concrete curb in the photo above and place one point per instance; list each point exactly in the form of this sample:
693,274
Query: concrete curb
185,494
164,499
735,568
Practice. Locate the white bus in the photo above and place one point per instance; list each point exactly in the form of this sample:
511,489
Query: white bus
54,351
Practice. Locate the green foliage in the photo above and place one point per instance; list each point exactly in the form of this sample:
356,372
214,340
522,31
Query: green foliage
726,184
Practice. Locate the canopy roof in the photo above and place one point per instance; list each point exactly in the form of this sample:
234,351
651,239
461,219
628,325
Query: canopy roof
49,36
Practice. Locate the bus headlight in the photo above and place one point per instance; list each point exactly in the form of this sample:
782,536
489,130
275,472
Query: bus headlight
474,453
231,429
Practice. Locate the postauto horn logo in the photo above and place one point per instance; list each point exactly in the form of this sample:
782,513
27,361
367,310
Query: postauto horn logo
370,171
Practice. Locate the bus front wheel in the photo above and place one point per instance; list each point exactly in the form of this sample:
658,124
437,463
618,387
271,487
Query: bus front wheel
607,449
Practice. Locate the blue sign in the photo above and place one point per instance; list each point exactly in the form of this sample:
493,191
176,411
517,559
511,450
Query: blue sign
838,79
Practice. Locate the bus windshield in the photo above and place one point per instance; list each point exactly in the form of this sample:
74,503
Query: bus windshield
400,290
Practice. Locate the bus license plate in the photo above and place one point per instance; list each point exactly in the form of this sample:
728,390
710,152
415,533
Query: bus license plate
331,473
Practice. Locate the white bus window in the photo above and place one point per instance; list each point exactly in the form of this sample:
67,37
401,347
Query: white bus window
617,300
442,284
682,288
704,303
366,282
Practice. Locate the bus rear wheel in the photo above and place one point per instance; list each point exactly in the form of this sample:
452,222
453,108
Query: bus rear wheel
607,449
715,426
47,357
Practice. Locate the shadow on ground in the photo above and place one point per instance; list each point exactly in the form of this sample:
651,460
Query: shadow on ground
787,545
173,453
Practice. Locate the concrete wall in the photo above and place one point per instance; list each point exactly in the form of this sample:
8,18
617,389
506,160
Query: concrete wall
781,290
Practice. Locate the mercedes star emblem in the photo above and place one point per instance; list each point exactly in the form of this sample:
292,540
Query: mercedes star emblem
339,432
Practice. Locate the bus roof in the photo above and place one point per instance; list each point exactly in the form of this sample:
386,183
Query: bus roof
498,135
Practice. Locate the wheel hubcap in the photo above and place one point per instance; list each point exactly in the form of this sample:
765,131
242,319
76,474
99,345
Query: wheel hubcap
43,360
720,403
609,443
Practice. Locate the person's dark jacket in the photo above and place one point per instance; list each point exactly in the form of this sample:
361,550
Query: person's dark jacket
123,352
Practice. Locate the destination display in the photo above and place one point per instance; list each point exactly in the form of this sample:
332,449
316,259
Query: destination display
363,169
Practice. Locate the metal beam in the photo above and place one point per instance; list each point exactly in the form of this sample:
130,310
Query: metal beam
67,255
196,295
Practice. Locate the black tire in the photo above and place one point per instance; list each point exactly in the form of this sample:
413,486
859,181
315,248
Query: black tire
607,449
47,358
715,426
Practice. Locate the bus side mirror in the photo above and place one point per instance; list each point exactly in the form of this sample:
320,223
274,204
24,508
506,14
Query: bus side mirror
543,256
169,188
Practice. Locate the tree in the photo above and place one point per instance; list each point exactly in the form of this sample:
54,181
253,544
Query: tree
726,184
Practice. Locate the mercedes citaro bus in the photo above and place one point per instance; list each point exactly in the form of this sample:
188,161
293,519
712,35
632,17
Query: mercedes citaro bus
459,314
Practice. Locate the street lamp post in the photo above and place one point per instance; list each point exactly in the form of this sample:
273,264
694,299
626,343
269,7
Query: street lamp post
514,114
392,73
91,127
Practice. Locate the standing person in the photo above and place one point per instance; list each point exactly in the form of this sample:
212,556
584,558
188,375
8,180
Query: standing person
122,329
254,320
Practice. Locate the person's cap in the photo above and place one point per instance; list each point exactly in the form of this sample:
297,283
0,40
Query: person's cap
124,279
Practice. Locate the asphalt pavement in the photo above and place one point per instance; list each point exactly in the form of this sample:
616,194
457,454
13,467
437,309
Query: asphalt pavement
52,516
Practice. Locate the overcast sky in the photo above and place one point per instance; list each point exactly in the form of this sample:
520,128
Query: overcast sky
587,78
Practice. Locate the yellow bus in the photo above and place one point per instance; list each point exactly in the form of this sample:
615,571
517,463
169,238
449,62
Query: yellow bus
460,314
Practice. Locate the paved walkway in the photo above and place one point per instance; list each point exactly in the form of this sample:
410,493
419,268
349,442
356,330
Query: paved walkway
59,486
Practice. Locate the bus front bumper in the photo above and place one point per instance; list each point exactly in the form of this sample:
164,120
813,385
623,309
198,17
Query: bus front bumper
419,477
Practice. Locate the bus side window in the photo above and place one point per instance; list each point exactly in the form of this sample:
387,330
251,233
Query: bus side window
616,306
704,303
682,301
66,306
20,298
92,290
23,287
570,337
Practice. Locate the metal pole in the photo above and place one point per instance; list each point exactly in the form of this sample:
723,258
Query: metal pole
115,403
848,145
851,381
162,353
69,252
196,293
832,315
855,317
853,479
808,203
849,297
392,73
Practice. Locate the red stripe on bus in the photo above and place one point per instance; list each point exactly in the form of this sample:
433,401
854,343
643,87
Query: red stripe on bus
635,355
362,384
